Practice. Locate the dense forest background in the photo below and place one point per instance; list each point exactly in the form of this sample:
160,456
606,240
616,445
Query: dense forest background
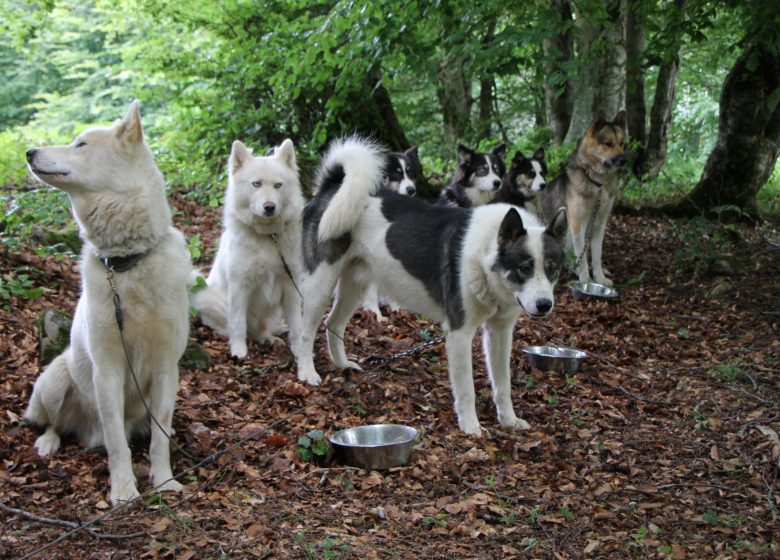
700,81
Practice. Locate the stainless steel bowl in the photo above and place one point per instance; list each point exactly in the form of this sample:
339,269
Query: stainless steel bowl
375,446
581,290
558,358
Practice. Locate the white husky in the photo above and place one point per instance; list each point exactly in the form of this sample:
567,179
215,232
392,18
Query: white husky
248,284
465,268
118,198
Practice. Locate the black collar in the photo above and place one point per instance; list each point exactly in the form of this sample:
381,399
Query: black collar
122,264
591,179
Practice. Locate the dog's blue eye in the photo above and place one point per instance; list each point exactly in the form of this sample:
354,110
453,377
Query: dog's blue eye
481,171
81,144
277,185
257,184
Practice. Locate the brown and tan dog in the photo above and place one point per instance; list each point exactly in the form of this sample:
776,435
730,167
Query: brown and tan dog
589,178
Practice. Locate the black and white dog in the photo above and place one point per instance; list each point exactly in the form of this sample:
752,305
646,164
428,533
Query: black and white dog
477,178
402,170
525,180
468,268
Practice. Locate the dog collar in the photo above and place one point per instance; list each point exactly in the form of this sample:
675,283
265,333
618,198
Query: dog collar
592,180
122,264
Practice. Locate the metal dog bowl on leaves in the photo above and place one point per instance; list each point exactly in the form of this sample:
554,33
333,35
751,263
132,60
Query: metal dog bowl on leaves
582,290
374,446
558,358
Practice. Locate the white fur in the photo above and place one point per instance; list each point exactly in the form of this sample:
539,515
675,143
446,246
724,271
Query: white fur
365,169
248,289
489,300
118,198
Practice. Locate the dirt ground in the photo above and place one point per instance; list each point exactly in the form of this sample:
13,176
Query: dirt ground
664,444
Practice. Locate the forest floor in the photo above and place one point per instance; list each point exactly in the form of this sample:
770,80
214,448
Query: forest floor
664,444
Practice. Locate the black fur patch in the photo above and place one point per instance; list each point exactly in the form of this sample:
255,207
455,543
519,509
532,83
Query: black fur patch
428,240
315,252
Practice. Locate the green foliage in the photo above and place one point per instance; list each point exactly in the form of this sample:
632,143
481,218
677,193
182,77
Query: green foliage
17,285
705,246
313,446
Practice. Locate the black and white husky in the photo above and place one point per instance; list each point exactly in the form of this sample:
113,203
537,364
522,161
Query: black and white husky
465,268
477,179
525,180
402,169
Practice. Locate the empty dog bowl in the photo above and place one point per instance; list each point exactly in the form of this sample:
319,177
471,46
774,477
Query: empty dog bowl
375,446
558,358
581,290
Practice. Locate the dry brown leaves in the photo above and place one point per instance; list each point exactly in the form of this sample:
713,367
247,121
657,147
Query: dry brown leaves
663,446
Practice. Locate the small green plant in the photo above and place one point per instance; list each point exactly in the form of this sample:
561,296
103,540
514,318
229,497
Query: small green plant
313,447
728,372
18,286
571,380
566,512
533,515
530,383
683,333
490,480
438,520
195,246
552,399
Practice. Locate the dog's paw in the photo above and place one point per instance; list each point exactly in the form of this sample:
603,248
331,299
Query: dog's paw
604,281
471,428
517,424
169,486
273,341
124,493
48,443
350,365
238,349
310,377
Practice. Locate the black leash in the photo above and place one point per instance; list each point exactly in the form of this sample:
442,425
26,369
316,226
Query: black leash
121,325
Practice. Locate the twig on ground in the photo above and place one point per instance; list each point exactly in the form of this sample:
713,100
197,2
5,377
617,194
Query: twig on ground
69,524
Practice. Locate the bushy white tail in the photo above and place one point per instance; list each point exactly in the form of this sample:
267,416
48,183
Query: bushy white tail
363,164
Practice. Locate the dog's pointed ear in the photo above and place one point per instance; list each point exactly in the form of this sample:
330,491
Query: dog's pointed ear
129,128
412,153
598,121
464,154
511,228
500,151
621,121
558,225
239,155
286,153
539,154
518,157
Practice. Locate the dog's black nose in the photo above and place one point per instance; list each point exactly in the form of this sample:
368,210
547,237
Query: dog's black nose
543,305
31,154
542,186
619,161
497,184
410,191
269,208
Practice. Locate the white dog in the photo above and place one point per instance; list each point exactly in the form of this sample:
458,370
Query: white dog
248,285
118,198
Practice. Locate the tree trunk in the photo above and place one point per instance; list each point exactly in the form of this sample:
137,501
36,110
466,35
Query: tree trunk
653,156
370,112
602,81
558,88
454,93
486,98
748,137
636,110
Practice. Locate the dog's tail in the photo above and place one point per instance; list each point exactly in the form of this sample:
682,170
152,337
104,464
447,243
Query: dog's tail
353,168
209,302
